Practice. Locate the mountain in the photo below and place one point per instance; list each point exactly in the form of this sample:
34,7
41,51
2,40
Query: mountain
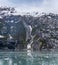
16,28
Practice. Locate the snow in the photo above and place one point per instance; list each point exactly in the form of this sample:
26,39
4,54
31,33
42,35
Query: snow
30,27
22,13
49,17
10,36
1,36
12,21
28,46
0,17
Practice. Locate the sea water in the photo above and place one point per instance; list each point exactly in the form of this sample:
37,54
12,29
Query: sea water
28,58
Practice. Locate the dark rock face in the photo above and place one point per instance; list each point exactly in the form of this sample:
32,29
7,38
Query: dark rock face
44,30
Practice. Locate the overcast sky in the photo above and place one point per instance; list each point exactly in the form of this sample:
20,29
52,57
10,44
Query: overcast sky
32,5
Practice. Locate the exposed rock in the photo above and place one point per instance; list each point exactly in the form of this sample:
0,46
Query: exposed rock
41,30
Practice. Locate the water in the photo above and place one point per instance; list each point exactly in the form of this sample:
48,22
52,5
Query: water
28,58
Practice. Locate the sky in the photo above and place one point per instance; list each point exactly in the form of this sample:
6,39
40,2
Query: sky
32,5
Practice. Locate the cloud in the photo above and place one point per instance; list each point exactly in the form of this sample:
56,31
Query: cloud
46,6
6,3
42,5
50,6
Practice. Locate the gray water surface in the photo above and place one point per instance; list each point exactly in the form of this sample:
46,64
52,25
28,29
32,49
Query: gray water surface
28,58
